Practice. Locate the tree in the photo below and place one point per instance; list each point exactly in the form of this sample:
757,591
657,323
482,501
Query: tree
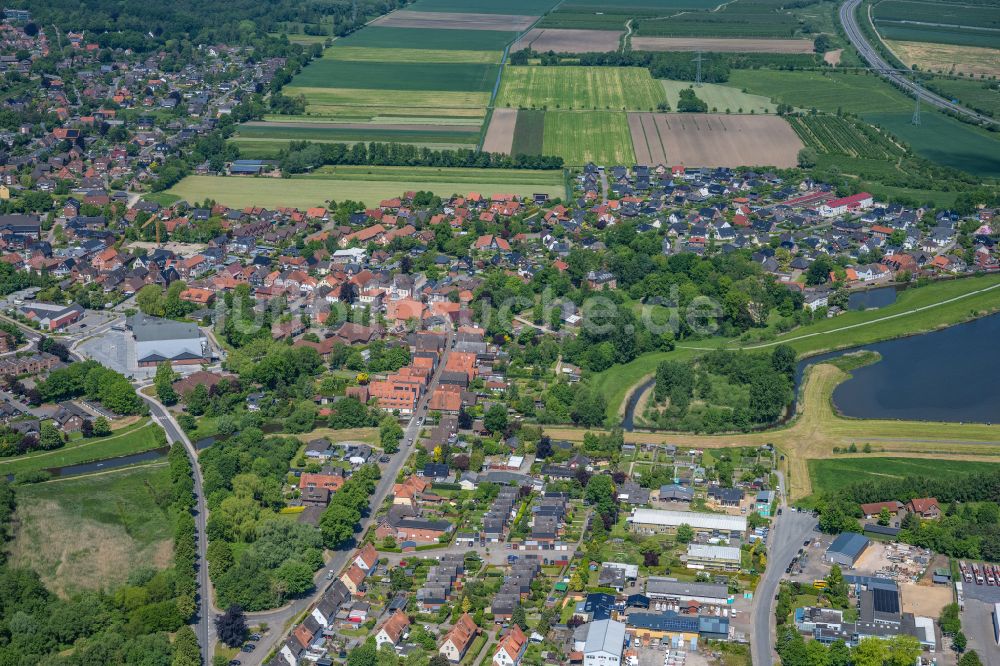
197,400
870,652
101,427
164,383
49,437
959,642
231,626
337,525
365,654
87,428
970,658
903,650
186,650
685,533
884,517
495,419
518,617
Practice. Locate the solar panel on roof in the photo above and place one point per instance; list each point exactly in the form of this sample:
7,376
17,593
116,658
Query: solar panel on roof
886,601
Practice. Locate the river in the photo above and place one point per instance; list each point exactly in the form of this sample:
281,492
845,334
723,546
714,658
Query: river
945,375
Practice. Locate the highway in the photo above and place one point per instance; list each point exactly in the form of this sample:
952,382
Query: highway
870,54
279,619
788,531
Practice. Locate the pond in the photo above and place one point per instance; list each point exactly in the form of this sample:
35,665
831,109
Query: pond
946,375
868,299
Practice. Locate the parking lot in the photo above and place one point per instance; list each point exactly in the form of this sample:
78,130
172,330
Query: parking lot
111,349
977,624
91,319
660,656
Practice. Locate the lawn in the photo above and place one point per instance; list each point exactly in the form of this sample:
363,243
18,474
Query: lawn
529,133
720,98
352,104
609,88
312,191
134,439
386,54
326,73
983,96
580,137
831,474
89,533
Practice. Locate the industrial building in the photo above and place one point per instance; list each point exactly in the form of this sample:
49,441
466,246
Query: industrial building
658,587
846,549
655,521
158,340
720,558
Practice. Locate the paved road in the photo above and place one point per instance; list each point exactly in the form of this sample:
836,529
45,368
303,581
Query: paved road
875,60
203,629
977,624
787,534
279,618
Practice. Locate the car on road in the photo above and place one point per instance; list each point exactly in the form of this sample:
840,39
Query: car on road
255,637
235,662
807,542
329,575
384,459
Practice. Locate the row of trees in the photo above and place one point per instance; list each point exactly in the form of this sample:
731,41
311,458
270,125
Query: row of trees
91,380
342,516
304,155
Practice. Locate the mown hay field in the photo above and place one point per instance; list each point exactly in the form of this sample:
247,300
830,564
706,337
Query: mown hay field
576,88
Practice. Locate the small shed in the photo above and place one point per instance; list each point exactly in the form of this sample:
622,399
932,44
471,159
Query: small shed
847,548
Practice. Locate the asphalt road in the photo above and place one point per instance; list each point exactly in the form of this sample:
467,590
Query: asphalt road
977,624
788,531
278,619
204,628
875,60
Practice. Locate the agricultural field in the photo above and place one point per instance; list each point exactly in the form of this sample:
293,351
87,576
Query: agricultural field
326,73
371,185
720,98
983,96
330,134
500,133
529,133
832,474
432,39
532,7
840,136
544,40
377,54
731,45
408,18
90,532
574,88
741,18
854,93
947,58
704,139
600,15
945,140
601,137
939,22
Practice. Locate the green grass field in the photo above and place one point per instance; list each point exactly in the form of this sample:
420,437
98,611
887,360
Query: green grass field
945,140
528,177
968,16
90,532
828,334
580,137
428,38
307,191
937,35
325,73
856,93
832,474
984,96
377,54
134,439
740,18
720,98
574,88
529,133
265,149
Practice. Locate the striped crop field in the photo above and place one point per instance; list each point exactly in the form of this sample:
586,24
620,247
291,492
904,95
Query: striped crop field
576,88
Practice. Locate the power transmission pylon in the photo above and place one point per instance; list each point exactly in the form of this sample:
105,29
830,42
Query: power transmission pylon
916,109
697,76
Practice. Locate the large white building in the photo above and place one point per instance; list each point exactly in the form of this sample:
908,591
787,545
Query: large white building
704,556
654,521
158,340
605,642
